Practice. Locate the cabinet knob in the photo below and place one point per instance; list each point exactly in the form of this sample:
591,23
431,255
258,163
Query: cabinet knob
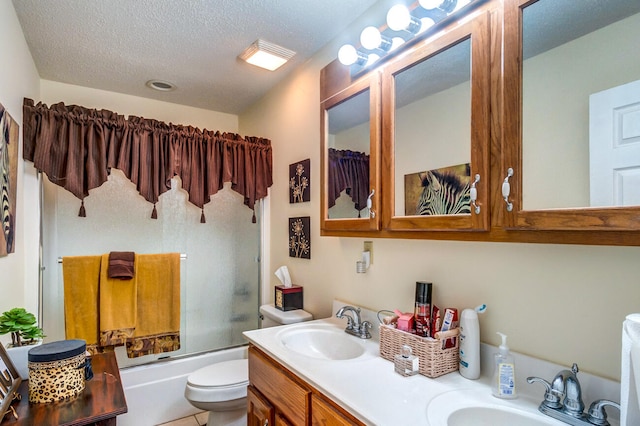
473,194
506,189
372,213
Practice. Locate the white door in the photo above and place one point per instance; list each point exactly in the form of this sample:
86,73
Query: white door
614,146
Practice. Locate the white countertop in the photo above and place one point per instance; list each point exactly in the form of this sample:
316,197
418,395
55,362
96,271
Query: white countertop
368,387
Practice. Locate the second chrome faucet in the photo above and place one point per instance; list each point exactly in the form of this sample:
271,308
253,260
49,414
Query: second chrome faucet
355,325
563,400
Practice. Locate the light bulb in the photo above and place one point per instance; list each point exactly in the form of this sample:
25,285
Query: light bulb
370,38
430,4
398,17
426,24
372,58
396,42
347,55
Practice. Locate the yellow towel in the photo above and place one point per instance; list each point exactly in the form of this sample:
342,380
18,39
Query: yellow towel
81,276
158,305
117,307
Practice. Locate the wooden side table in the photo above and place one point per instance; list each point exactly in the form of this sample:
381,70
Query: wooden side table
99,404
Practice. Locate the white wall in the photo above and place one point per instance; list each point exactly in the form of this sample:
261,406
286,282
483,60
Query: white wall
19,78
561,303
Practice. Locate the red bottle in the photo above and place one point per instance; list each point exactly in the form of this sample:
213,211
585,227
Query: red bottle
423,309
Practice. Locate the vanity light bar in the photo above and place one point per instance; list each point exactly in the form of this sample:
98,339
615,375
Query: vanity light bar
401,26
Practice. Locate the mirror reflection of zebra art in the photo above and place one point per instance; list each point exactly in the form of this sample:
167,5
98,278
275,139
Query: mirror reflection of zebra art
443,192
6,198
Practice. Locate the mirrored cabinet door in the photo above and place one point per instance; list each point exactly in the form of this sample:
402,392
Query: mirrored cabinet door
435,159
571,133
350,126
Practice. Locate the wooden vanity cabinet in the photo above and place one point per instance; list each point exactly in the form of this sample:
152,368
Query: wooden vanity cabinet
276,396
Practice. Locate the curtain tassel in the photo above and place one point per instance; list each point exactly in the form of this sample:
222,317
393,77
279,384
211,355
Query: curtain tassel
154,212
82,212
202,219
253,219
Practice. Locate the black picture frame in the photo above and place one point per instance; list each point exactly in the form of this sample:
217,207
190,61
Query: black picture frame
300,181
300,237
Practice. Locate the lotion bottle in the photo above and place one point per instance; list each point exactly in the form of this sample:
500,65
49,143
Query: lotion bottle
504,379
470,342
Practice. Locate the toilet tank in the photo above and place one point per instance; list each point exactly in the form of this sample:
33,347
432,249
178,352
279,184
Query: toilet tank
273,316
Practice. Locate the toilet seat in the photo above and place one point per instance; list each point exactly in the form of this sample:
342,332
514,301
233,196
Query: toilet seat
223,381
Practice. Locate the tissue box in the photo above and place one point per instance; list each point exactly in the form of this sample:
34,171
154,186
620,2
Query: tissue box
288,298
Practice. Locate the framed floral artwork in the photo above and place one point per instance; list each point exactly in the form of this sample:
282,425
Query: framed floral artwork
299,183
300,237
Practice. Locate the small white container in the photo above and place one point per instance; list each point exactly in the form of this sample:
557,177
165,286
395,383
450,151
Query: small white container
469,344
405,363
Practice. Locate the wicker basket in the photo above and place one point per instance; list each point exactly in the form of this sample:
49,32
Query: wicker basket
434,361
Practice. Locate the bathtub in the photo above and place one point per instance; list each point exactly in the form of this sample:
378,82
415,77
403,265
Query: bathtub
155,392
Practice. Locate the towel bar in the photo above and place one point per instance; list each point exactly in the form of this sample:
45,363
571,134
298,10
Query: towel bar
183,256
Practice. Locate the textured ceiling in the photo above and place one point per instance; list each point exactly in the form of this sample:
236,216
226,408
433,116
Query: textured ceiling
117,45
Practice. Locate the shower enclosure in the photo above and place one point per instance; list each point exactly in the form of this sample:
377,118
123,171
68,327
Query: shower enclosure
219,270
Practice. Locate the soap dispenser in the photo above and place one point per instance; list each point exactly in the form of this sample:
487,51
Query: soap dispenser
504,379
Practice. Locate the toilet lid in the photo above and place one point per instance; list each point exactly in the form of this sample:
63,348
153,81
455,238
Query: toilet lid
221,374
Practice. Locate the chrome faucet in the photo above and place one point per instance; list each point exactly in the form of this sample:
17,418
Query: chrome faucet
563,400
355,325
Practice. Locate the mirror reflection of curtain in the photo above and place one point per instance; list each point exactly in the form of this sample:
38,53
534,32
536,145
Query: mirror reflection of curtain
348,171
77,147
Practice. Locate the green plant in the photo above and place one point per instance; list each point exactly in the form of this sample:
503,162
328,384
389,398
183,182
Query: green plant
22,325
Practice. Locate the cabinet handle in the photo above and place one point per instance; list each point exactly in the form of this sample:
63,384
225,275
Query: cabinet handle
372,213
266,422
506,189
473,194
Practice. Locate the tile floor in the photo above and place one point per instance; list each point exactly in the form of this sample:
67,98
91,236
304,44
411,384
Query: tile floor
199,419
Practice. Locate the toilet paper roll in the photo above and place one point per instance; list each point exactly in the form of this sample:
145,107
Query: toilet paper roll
630,371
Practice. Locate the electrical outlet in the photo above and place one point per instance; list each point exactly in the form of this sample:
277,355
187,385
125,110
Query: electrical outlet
368,246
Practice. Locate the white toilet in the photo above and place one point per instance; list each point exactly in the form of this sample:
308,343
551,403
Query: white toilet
221,388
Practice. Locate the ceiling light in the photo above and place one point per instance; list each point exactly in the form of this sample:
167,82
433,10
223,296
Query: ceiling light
266,55
162,86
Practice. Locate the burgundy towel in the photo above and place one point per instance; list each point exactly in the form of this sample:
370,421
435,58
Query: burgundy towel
121,264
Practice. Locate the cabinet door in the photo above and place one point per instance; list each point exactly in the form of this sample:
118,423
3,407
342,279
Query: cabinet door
282,389
435,159
350,133
561,60
259,411
324,413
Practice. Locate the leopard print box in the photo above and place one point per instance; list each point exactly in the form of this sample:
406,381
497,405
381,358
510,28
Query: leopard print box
58,370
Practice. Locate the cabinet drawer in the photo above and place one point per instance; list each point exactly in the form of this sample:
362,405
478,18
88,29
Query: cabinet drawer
275,383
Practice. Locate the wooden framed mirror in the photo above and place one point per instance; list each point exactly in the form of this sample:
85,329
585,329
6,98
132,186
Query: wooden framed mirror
350,135
571,132
435,158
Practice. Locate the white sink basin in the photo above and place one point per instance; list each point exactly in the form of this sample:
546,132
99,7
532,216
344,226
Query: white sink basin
479,408
321,342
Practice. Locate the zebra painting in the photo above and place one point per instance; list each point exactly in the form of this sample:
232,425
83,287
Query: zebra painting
8,154
443,192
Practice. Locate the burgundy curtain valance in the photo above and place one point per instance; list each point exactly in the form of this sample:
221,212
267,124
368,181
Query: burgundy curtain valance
348,170
76,147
